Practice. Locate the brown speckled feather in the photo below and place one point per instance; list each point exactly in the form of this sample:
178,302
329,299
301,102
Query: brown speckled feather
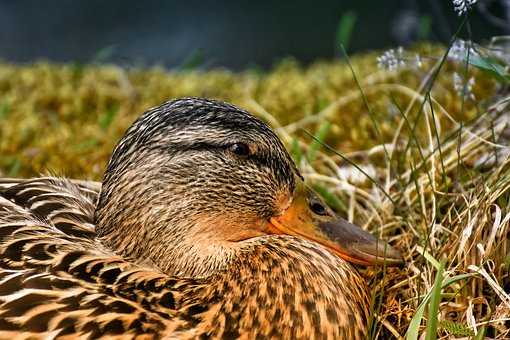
55,279
58,280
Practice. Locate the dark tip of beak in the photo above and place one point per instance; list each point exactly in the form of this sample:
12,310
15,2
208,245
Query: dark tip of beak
359,246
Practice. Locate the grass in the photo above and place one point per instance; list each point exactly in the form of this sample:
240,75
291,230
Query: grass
405,157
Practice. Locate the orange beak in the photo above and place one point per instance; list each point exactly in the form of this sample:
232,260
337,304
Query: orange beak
310,218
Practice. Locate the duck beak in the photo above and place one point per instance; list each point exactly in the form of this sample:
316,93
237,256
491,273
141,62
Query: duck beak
306,218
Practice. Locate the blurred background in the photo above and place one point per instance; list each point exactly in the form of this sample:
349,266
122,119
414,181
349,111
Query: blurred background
232,34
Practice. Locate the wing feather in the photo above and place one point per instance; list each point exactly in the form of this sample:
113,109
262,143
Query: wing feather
57,280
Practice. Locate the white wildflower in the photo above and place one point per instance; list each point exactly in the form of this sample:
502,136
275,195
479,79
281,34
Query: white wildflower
460,49
392,59
462,87
462,6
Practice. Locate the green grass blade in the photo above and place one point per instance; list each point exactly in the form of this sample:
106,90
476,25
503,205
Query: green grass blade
435,299
414,326
432,81
489,66
331,199
103,54
481,333
438,141
371,115
318,141
296,152
430,258
424,27
345,28
193,61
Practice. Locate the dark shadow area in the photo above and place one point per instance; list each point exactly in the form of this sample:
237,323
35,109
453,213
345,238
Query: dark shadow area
234,34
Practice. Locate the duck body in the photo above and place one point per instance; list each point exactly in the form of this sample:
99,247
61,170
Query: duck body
67,272
57,280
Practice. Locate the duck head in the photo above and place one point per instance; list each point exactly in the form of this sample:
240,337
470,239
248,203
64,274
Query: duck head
193,179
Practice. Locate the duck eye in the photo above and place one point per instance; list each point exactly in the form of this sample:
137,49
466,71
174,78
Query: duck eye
240,149
318,208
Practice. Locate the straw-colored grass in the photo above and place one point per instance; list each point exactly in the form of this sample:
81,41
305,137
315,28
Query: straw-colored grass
440,175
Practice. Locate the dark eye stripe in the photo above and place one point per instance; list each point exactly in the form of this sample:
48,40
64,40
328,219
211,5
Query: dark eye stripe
261,158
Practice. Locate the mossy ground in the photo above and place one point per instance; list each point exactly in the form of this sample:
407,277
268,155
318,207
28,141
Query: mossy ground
434,199
67,118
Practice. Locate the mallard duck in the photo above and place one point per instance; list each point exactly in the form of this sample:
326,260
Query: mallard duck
201,228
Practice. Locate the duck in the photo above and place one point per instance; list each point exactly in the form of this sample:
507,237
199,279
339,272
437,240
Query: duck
202,227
